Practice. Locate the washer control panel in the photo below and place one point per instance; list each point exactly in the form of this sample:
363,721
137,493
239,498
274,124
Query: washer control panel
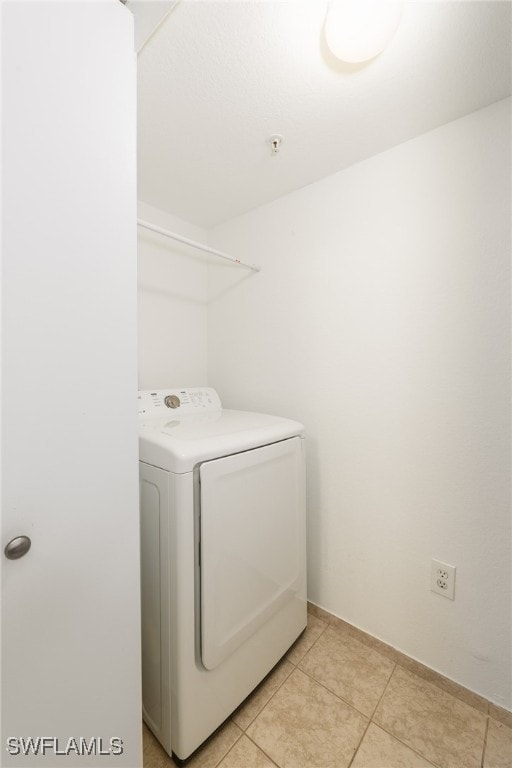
178,401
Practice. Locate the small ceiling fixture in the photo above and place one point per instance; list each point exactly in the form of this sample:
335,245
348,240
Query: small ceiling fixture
275,142
358,30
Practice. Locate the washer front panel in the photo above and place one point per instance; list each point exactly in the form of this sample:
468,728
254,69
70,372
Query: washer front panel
252,543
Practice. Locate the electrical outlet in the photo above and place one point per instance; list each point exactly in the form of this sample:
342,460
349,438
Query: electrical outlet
442,579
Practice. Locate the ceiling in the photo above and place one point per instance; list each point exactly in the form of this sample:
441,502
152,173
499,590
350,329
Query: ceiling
217,79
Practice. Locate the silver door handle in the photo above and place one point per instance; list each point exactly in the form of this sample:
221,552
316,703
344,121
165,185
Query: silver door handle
17,547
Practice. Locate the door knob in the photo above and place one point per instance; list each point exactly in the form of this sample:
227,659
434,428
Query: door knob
17,547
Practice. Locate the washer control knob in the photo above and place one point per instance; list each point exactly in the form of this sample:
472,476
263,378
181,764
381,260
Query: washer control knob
172,401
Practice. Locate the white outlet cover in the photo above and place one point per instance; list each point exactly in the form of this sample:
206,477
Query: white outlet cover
442,579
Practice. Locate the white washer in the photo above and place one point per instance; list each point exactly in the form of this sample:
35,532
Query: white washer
223,557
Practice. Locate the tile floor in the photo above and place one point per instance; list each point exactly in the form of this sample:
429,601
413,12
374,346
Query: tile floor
341,699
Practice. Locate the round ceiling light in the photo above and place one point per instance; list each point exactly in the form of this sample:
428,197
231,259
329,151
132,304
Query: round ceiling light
358,30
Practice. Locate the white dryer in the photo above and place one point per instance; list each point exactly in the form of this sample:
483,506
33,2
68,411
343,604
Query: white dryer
223,557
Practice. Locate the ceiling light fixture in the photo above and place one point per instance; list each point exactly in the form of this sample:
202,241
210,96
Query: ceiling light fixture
358,30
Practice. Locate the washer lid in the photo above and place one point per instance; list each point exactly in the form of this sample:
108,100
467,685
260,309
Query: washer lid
178,444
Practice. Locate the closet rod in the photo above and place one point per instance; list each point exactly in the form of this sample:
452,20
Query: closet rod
194,244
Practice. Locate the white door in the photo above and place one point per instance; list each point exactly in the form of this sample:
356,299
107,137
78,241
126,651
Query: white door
70,606
252,543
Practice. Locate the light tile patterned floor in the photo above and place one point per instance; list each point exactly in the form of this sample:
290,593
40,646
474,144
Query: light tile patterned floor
340,699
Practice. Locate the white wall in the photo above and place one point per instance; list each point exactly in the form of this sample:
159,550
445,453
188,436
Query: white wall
173,295
381,320
70,607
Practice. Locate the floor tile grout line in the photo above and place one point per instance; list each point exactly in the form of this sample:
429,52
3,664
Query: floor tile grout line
262,750
295,667
370,720
500,722
325,687
378,725
506,722
484,747
244,730
322,686
393,735
231,747
354,637
440,688
333,623
383,692
404,744
333,692
315,641
360,742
